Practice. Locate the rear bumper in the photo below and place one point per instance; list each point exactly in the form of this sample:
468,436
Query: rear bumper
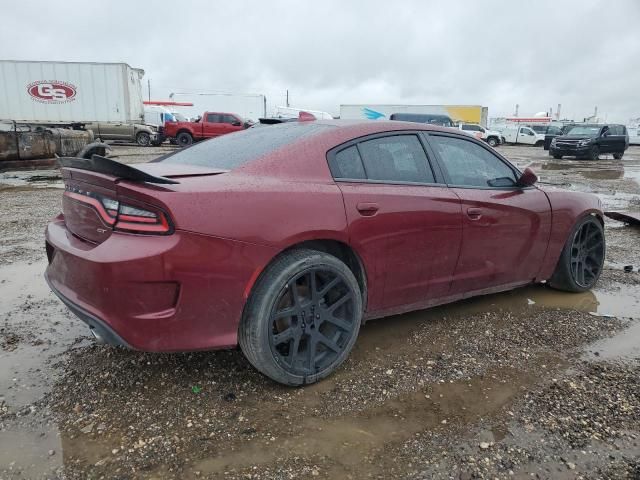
180,292
98,327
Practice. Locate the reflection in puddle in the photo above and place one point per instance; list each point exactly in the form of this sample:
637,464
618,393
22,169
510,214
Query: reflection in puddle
347,440
623,346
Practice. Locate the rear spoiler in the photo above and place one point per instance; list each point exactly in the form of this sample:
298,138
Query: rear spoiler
105,165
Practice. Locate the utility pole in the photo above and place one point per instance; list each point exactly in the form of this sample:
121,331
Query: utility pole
287,97
516,112
149,87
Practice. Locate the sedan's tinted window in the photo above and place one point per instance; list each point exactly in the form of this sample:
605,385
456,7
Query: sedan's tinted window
234,149
398,158
347,164
471,165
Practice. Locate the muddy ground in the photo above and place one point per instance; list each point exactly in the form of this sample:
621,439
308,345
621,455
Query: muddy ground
532,383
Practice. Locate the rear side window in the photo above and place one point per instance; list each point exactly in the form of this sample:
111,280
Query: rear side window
398,158
471,165
235,149
347,164
213,118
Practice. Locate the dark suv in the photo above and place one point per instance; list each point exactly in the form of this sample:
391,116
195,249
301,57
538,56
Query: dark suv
589,141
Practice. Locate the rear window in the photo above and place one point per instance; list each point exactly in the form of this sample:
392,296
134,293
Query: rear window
235,149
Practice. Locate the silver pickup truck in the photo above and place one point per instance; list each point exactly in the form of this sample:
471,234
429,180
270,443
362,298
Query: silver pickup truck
143,135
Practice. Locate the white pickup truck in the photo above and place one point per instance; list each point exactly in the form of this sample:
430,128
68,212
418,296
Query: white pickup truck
523,136
492,137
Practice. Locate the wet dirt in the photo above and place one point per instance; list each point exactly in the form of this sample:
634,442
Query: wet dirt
471,389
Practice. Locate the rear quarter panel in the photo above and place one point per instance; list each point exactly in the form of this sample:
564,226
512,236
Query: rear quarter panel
567,208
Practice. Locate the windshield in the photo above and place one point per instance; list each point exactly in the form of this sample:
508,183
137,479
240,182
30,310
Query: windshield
235,149
584,130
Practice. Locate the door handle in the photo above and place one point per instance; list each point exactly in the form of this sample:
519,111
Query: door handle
367,209
474,213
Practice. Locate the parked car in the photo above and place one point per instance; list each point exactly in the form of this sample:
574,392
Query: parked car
492,137
285,239
523,135
552,132
143,135
428,118
209,125
590,141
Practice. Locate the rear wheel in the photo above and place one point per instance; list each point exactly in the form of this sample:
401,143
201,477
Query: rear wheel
302,318
143,139
539,143
493,141
582,257
618,156
184,139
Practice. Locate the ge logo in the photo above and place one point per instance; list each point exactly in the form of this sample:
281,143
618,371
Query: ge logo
51,91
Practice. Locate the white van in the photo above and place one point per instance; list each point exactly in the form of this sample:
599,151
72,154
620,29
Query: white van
157,115
522,135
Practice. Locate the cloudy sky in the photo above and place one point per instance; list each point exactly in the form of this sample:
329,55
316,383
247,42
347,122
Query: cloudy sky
494,53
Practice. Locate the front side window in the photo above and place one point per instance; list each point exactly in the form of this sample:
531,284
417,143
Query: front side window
398,158
229,119
471,165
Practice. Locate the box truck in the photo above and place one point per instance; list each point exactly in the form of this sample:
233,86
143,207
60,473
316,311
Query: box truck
70,93
42,100
458,113
249,106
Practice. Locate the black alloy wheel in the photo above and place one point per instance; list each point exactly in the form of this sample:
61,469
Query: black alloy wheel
302,317
312,321
587,255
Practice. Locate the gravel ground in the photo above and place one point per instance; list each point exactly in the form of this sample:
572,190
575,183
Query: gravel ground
527,384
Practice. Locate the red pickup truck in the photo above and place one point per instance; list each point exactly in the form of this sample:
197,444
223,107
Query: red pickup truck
209,125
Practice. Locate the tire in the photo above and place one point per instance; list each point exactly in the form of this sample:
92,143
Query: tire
586,238
539,143
556,156
618,156
492,141
594,153
272,342
184,139
143,139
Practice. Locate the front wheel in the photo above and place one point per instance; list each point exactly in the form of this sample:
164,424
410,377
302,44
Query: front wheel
302,318
556,156
143,139
492,141
582,257
594,153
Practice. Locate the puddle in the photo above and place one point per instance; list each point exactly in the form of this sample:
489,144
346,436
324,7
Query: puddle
31,179
347,440
623,346
34,328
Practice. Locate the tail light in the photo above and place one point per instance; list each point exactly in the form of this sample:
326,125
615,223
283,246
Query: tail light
122,216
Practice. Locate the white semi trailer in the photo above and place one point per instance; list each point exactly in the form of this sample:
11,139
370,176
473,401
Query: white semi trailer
69,93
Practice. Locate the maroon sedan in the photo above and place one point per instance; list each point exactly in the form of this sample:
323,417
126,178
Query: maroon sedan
285,239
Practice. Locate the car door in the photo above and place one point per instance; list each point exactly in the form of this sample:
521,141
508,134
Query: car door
212,125
231,123
505,228
608,139
403,221
526,136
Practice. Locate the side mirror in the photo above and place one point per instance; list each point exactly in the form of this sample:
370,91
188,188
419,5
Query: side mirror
236,123
527,179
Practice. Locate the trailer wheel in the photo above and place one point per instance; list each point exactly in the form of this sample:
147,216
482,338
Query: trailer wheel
143,139
184,139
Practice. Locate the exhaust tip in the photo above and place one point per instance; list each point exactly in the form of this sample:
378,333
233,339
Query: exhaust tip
98,338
